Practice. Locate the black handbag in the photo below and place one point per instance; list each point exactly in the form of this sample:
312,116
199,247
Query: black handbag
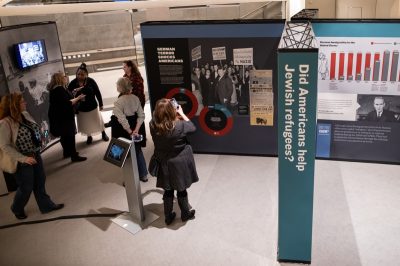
154,166
118,131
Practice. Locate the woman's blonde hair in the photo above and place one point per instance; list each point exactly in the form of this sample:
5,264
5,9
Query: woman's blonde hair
57,79
164,117
124,85
10,106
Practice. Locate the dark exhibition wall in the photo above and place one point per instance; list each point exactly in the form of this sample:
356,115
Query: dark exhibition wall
358,90
239,117
358,73
28,68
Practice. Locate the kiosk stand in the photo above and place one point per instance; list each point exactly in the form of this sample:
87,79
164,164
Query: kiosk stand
137,218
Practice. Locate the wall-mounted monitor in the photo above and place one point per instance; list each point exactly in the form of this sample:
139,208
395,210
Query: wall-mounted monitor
30,53
117,152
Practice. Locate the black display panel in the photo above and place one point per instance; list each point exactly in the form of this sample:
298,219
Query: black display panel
234,110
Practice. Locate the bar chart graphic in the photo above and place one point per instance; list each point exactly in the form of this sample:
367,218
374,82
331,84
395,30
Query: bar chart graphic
368,66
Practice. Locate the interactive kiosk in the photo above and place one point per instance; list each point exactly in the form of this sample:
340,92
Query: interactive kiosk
121,153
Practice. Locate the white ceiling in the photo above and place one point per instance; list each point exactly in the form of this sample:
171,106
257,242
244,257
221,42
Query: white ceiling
32,8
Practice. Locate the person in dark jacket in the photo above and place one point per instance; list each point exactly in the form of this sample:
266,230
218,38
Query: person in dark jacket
89,118
177,170
223,87
62,115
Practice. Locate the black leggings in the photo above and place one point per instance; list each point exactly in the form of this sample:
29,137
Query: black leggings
170,193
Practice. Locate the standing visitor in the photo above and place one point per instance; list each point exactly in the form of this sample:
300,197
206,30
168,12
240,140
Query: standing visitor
173,154
62,115
89,117
21,142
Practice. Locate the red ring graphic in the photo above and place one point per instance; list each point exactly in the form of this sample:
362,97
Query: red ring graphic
203,125
191,96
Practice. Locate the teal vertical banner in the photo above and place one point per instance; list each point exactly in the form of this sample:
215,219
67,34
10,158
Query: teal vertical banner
297,102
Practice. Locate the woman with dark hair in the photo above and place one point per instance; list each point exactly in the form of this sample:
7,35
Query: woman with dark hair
177,169
89,118
21,142
62,115
130,116
131,72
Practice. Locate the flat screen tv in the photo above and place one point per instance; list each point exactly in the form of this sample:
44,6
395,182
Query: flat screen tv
117,151
30,53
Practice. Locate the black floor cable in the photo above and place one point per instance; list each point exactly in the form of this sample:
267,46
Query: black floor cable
66,217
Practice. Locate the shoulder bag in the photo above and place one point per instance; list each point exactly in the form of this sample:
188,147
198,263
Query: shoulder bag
154,165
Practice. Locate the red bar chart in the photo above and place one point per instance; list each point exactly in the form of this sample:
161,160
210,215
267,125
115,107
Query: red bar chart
367,66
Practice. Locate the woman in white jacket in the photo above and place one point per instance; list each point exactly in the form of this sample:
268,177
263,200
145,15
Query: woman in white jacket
127,118
20,142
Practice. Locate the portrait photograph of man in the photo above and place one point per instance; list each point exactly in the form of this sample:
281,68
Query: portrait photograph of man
378,108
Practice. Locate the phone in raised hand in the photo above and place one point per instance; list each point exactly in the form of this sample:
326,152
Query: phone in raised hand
174,103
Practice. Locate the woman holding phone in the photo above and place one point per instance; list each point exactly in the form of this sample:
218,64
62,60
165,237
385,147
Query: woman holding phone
177,168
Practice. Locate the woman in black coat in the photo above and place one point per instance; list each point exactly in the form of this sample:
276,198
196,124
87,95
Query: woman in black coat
62,115
177,169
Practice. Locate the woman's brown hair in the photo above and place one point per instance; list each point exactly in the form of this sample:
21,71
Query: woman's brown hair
164,117
10,106
57,79
132,66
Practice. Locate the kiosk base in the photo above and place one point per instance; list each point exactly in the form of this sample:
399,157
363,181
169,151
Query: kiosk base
132,225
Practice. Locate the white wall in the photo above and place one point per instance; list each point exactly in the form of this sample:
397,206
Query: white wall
350,8
387,9
295,6
326,8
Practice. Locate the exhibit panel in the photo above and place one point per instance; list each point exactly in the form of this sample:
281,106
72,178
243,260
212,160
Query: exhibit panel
297,90
29,55
223,74
358,90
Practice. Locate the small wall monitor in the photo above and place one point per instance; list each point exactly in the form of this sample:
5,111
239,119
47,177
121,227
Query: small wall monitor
117,151
30,53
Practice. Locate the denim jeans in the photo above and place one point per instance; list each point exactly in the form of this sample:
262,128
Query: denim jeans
141,162
31,178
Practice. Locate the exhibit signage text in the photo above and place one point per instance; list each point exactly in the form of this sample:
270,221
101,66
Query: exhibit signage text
302,93
297,102
167,55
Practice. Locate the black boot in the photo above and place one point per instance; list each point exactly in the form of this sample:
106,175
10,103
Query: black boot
168,207
104,136
77,158
89,140
19,216
186,213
